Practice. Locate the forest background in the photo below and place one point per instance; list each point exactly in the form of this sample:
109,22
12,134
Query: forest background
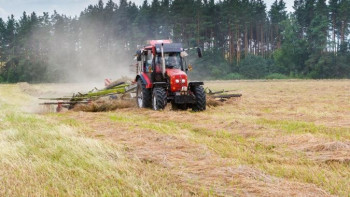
241,39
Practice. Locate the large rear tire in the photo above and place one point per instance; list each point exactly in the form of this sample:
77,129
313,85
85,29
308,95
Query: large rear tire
143,95
201,99
159,98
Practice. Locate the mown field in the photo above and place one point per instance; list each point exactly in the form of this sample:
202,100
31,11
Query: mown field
282,138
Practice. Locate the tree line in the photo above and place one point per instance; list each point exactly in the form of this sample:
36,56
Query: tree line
240,39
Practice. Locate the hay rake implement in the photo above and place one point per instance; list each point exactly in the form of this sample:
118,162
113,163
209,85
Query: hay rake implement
120,90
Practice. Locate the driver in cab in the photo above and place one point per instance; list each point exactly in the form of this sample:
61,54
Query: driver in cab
172,61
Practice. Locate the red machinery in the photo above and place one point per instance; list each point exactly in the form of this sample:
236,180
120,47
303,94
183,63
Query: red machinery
161,78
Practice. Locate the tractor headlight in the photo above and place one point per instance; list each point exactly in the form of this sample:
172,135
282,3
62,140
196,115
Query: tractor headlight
183,81
177,81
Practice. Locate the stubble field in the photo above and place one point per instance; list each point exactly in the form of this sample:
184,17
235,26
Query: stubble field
282,138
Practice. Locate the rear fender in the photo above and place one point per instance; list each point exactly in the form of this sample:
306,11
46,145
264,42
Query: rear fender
145,80
195,83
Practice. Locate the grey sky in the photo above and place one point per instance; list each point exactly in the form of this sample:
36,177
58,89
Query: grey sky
68,7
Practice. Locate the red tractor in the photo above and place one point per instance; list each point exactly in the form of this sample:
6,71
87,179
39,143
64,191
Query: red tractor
161,78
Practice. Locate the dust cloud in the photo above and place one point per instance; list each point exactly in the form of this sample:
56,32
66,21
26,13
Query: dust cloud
83,50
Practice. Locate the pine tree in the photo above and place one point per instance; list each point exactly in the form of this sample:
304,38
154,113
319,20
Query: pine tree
2,45
290,58
344,20
317,40
277,14
334,14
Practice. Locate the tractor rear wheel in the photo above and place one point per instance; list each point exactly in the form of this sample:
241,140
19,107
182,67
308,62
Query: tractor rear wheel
143,95
201,100
159,98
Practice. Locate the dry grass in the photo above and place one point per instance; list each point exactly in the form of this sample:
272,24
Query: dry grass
282,138
213,102
268,129
42,157
171,147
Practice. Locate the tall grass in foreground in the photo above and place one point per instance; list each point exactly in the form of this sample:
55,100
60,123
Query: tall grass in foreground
43,157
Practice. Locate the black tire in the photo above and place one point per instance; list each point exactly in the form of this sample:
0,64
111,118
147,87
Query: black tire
159,98
143,95
201,100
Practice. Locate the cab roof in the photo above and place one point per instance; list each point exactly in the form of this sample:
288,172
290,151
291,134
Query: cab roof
168,46
154,42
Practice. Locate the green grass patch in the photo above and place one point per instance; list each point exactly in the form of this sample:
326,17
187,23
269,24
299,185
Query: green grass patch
276,76
125,117
169,128
144,123
71,122
298,127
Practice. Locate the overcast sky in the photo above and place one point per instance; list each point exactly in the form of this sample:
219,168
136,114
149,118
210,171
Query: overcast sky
68,7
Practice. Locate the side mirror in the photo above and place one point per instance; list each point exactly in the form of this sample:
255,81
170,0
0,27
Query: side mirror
183,54
138,54
199,51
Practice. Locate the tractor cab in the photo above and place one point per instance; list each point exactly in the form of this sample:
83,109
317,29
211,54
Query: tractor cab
162,78
173,60
151,57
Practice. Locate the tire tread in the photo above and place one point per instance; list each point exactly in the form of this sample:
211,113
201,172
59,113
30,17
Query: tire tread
161,97
201,100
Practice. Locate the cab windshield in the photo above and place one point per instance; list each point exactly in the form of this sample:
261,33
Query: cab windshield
172,60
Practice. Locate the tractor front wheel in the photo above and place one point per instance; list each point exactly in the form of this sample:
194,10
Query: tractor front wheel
159,98
201,100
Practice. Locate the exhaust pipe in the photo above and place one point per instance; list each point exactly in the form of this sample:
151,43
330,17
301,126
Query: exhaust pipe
163,60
